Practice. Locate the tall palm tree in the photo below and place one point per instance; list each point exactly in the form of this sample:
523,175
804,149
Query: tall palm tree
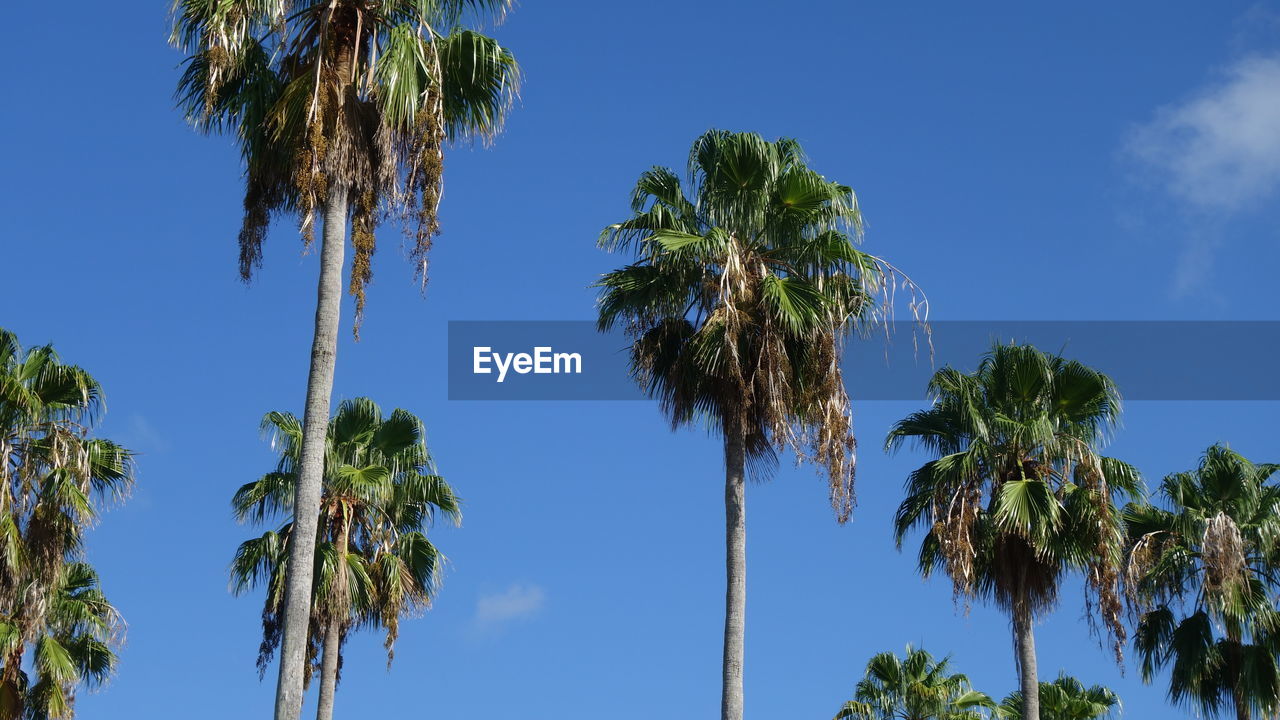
1202,574
914,687
54,480
738,299
1065,699
340,108
1017,494
374,563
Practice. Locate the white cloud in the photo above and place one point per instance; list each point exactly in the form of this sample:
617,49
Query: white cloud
141,436
517,602
1220,149
1195,262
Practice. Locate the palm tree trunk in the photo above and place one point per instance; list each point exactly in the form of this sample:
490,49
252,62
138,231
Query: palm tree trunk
12,687
329,669
1025,641
735,571
324,351
338,610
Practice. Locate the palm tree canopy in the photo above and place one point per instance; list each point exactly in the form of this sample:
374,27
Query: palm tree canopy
47,410
1017,493
73,648
1065,699
743,287
361,94
914,687
1202,574
381,494
57,631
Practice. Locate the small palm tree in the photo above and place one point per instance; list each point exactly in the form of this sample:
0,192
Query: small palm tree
73,648
1017,494
1202,575
914,687
738,299
56,629
1065,699
341,108
374,563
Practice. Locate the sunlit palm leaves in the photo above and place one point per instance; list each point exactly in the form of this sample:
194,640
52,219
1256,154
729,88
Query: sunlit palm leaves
356,94
1017,494
374,563
743,287
1065,699
73,648
914,687
56,629
1202,574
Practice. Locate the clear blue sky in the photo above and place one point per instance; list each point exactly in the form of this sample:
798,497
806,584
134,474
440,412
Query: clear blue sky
1020,161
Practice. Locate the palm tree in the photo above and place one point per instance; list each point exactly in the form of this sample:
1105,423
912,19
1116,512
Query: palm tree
54,480
914,687
1201,575
1065,699
738,300
342,108
72,649
374,563
1017,494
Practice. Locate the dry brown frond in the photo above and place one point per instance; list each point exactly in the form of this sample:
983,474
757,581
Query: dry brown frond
309,180
1222,551
1142,557
955,526
364,242
253,231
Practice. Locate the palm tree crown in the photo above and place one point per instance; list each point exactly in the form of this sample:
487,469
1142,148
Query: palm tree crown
1017,492
1066,698
740,294
914,687
1202,575
374,562
57,630
360,95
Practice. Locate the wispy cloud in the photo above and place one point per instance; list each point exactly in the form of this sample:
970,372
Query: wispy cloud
141,436
1219,150
1217,155
518,602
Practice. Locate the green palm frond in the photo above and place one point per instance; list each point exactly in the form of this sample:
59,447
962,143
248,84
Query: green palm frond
374,563
481,81
1201,576
916,686
1066,698
744,284
57,630
1017,492
350,95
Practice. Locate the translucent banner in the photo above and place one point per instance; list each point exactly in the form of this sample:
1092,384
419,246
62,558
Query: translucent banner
1149,360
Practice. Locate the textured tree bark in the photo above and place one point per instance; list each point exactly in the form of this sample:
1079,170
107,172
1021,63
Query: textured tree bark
735,571
12,697
324,351
1024,638
329,669
332,656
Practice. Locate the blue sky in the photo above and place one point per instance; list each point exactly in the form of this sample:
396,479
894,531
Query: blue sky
1020,161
